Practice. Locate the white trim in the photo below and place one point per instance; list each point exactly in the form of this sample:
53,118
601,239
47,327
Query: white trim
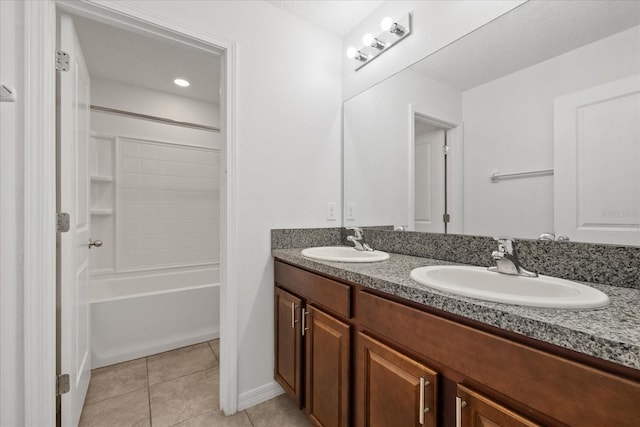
39,221
456,179
96,274
259,395
411,215
121,137
117,200
229,239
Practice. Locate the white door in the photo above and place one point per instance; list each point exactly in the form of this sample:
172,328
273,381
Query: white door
428,195
597,163
73,93
429,182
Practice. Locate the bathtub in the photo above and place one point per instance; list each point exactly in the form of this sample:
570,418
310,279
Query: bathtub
145,314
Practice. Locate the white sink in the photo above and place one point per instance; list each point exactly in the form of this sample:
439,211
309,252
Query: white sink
343,254
541,291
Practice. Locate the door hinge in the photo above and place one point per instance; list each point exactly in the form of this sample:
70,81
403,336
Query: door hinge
62,222
62,60
446,149
62,384
446,218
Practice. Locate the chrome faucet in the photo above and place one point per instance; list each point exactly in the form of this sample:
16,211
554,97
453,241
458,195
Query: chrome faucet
358,239
547,236
507,260
552,237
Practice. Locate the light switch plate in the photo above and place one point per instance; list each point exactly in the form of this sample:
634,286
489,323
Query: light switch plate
351,211
331,211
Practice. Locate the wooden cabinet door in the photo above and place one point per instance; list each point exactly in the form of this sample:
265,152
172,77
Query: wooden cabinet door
288,345
327,374
476,410
389,387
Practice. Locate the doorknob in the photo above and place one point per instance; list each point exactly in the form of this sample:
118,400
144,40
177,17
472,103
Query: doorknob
96,243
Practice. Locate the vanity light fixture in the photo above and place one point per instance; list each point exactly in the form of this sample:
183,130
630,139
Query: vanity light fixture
394,30
181,82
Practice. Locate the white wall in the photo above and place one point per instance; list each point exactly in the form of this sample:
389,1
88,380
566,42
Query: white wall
377,144
436,23
288,146
503,132
12,376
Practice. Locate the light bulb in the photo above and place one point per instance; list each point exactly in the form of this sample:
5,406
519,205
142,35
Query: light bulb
386,23
353,53
181,82
367,39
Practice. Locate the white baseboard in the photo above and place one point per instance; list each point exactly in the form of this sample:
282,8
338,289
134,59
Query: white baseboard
259,395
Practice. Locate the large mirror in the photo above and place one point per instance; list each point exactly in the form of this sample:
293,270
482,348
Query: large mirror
528,125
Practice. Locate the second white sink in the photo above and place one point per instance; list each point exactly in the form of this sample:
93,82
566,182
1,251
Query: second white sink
541,291
343,254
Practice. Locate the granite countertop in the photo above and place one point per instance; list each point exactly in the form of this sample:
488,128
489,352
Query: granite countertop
611,333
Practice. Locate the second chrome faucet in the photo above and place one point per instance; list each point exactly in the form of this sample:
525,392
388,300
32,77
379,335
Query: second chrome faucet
507,259
358,239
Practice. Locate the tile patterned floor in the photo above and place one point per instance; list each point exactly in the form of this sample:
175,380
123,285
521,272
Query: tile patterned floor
176,388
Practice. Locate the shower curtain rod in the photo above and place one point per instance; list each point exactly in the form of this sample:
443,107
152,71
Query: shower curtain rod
155,118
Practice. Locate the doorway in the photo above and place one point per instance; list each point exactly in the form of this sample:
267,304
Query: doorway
431,143
225,176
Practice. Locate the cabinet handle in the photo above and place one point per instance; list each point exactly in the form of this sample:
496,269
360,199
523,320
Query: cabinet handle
303,313
459,405
293,315
422,410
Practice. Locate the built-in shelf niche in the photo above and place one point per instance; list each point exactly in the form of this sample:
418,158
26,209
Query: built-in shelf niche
102,196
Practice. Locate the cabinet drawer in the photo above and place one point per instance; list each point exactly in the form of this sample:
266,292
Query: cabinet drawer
569,392
333,296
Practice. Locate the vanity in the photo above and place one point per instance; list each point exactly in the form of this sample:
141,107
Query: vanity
510,130
364,345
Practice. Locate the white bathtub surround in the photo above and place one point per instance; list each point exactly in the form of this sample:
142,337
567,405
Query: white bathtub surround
170,205
155,187
143,314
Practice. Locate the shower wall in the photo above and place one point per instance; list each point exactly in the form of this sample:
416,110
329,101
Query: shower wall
155,188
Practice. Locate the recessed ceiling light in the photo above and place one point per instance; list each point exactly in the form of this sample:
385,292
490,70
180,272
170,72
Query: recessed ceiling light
181,82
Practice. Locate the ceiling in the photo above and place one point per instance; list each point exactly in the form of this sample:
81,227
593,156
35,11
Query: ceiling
531,33
336,16
115,54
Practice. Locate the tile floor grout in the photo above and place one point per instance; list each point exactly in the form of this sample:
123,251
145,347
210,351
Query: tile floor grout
249,418
146,364
180,401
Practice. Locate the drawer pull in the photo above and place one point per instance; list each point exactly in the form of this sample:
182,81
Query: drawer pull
422,410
